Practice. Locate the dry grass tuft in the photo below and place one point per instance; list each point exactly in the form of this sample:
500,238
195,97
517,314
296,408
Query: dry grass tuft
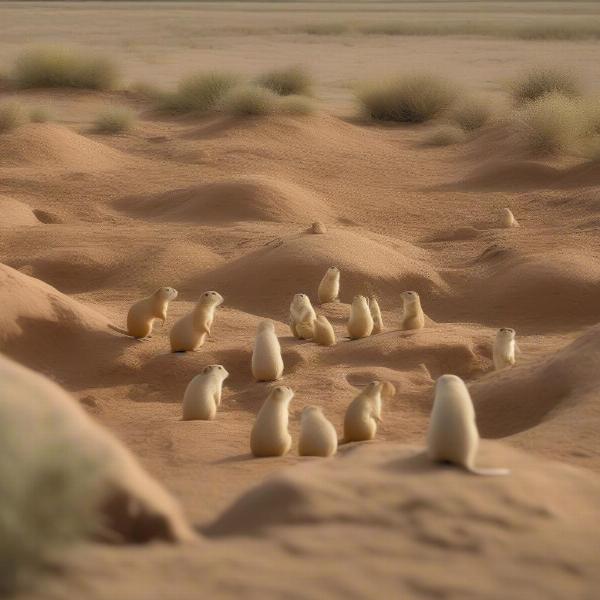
445,136
472,113
542,81
296,105
410,99
250,100
11,116
199,93
58,67
288,81
114,120
39,115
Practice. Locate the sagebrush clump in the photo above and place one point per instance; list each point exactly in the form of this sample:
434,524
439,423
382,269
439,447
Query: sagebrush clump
59,67
250,100
290,81
408,99
543,81
472,113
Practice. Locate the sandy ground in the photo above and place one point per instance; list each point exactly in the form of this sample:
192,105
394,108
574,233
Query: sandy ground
223,203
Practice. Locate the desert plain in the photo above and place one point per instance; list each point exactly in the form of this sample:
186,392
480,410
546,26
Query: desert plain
92,221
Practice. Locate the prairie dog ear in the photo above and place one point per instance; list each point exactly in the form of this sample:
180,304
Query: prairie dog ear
206,369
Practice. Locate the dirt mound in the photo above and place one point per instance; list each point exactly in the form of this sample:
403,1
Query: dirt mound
134,507
15,213
552,402
266,279
436,515
252,198
51,145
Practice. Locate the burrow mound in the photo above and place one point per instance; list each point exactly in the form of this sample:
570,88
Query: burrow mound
52,145
265,280
249,198
16,213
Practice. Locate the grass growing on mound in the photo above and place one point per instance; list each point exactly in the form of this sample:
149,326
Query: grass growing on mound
250,100
446,136
114,120
39,115
409,99
49,499
296,105
552,124
58,67
11,116
542,81
472,113
288,81
199,93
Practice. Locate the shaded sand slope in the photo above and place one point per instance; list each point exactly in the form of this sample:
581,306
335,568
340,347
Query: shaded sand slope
266,279
132,506
405,527
230,200
51,145
551,403
15,213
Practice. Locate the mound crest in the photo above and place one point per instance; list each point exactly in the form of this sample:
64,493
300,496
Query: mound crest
253,198
15,213
266,279
48,144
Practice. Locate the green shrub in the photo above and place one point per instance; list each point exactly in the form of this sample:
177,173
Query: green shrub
411,99
542,81
11,116
287,82
58,67
114,120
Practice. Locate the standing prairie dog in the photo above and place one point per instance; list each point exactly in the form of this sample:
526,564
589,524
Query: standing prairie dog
324,333
267,363
360,323
504,348
190,331
203,394
270,435
142,314
412,316
329,288
507,219
363,414
317,434
376,314
302,317
453,435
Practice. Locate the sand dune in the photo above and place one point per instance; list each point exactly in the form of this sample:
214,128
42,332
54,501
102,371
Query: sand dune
242,199
51,145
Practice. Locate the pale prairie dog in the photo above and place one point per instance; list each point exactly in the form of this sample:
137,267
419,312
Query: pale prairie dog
142,314
302,317
270,435
317,435
504,348
360,323
453,435
412,315
324,333
203,394
507,219
267,363
376,314
363,414
329,288
190,331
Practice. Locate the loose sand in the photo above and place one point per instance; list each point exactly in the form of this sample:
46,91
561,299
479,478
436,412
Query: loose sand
226,204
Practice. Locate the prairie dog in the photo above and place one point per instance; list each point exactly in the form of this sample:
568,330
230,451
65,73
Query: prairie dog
507,219
360,323
267,363
317,434
363,414
412,316
270,435
453,435
142,314
324,333
203,394
329,288
376,314
190,331
504,348
302,317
